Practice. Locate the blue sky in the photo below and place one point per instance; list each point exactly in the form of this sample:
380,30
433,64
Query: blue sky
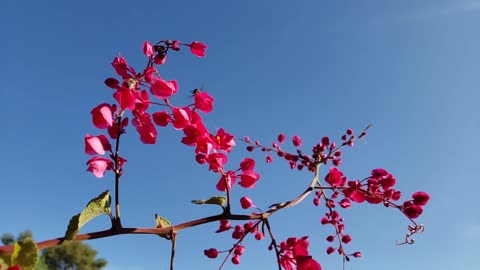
310,68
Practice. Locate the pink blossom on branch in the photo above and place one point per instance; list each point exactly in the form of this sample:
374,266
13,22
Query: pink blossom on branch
96,144
203,102
148,49
102,116
198,48
98,166
246,202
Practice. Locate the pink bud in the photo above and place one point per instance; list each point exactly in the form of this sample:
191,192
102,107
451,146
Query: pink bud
296,141
236,259
420,198
246,202
346,239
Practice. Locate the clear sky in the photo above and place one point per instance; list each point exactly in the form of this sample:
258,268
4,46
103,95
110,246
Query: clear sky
310,68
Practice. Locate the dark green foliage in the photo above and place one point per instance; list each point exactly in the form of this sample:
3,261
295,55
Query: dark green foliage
72,256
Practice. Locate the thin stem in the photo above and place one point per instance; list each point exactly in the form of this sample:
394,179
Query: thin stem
173,241
274,243
118,173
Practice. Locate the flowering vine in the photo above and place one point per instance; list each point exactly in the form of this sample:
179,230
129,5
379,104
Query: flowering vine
143,100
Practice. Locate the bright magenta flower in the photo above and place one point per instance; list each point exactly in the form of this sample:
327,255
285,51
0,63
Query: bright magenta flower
412,210
378,173
98,166
216,161
246,202
247,164
181,117
335,177
248,179
420,198
307,263
354,192
125,98
223,140
203,102
226,181
163,89
161,118
121,67
96,144
148,49
102,116
198,48
145,127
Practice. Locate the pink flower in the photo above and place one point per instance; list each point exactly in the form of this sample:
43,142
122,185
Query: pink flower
97,144
223,140
246,202
411,210
181,117
216,161
334,177
307,263
148,49
102,116
420,198
226,180
145,127
247,164
163,89
198,48
120,66
378,173
125,98
203,102
281,138
161,118
248,179
98,166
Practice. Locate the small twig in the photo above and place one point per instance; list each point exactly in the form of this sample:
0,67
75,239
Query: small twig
173,241
274,243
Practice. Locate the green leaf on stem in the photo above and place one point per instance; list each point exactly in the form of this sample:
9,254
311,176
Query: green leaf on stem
99,205
25,254
161,222
218,200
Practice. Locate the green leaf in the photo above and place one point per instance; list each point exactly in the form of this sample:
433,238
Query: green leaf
25,254
218,200
99,205
161,222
